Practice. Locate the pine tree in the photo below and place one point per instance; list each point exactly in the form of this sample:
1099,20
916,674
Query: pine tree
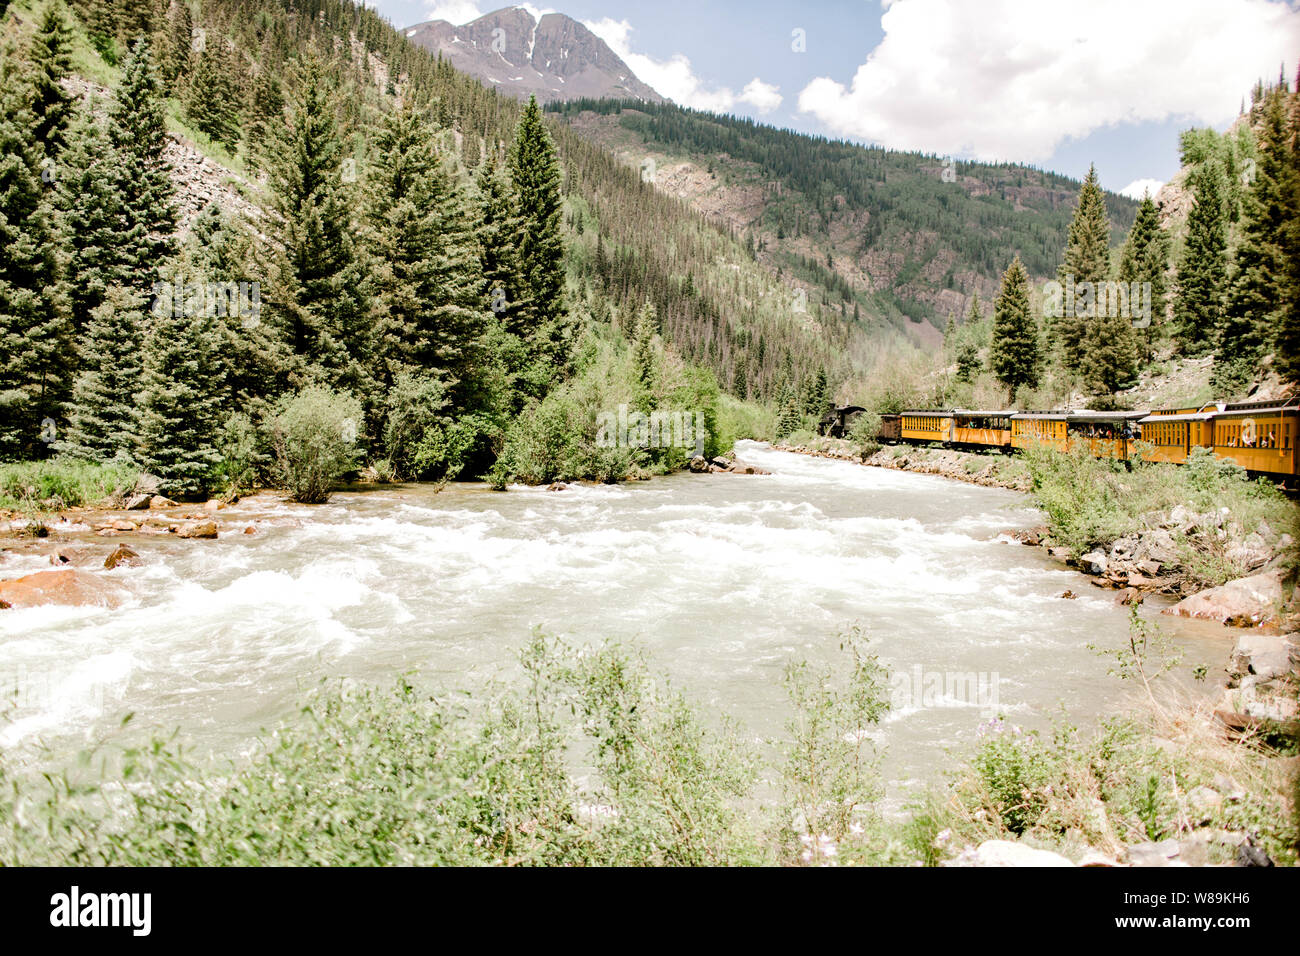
1145,260
1109,352
535,173
176,64
180,400
500,234
643,357
320,292
817,398
1087,259
35,345
1202,272
788,416
90,212
103,419
213,101
430,287
1015,354
1256,295
1286,341
137,131
51,56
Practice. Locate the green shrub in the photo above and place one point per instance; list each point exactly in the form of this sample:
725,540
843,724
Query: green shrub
64,482
315,436
240,445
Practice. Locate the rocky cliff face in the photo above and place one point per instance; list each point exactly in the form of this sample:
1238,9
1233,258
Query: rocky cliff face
554,58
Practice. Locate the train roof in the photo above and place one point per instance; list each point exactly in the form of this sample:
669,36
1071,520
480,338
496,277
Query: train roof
1259,408
1082,415
1159,417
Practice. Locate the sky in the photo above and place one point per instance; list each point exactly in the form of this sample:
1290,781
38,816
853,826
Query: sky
1058,84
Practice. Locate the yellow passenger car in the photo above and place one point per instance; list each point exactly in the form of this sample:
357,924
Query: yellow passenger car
1258,436
988,429
1039,428
1173,434
926,426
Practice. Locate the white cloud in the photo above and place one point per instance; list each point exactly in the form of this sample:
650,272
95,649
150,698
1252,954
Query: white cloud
1141,187
676,79
454,11
764,97
1013,79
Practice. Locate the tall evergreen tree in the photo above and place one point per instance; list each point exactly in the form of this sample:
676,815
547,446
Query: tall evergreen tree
1286,340
51,56
35,344
137,130
1015,353
1202,271
429,284
213,101
1257,289
1145,260
320,291
1087,259
180,400
500,234
90,212
535,173
103,419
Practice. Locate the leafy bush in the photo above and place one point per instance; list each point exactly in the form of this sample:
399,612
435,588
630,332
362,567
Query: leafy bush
240,445
420,439
864,433
315,440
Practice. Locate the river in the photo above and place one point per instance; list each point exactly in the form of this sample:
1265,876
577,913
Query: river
722,579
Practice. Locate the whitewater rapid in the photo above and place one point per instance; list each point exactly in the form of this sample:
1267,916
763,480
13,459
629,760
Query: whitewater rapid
721,579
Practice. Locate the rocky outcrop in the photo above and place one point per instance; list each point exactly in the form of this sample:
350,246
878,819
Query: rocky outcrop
1246,602
1008,853
68,587
553,57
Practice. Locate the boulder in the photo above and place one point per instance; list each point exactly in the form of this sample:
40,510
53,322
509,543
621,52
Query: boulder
158,503
197,529
120,556
69,587
1154,854
1094,562
557,486
1261,654
138,502
213,505
699,464
1010,853
1250,554
1242,603
250,530
1129,596
1156,546
1068,595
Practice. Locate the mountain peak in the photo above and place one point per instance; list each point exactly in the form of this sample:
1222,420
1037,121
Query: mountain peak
552,57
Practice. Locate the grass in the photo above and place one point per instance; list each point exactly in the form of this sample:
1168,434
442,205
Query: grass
62,483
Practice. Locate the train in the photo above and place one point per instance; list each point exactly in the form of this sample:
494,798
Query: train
1261,437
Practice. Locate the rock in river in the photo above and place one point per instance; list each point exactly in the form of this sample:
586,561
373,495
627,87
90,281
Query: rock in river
1243,603
68,586
198,529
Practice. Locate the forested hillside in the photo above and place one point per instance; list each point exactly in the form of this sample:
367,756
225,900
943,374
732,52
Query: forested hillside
894,235
405,252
